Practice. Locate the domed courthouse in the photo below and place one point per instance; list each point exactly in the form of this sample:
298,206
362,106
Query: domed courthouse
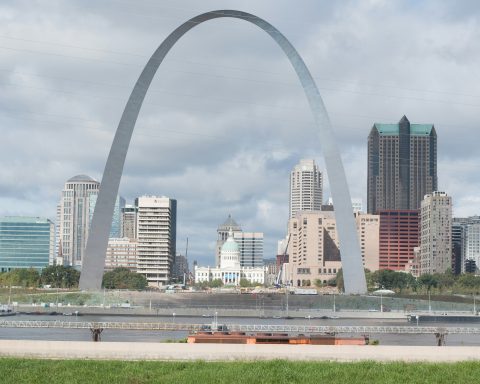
230,271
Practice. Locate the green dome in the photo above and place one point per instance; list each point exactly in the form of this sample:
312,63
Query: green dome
230,246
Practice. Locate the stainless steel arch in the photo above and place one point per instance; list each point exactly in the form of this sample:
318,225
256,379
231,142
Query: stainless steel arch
94,260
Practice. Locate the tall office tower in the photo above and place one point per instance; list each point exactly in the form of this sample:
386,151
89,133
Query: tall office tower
251,248
306,187
156,236
74,218
402,165
222,235
472,244
55,259
458,241
436,233
129,222
116,228
399,236
462,249
26,242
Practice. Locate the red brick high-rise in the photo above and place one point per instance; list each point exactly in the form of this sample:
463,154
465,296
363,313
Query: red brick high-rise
399,235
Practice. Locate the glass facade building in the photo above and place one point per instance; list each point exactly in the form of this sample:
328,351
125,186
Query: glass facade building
26,242
116,228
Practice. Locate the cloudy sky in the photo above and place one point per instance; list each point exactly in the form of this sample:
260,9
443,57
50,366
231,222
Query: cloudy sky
225,119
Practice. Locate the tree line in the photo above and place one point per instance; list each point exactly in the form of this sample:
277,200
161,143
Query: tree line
400,281
58,276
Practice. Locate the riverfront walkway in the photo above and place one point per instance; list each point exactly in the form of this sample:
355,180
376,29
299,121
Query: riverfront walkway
230,352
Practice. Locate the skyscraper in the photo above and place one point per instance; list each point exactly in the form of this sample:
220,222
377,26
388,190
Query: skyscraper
74,215
74,218
402,165
458,237
116,228
472,243
306,187
436,233
129,222
156,236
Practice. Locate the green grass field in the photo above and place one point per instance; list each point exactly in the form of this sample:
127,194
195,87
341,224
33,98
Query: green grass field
278,372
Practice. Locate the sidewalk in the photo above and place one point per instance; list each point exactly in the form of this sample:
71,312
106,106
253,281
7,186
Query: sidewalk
229,352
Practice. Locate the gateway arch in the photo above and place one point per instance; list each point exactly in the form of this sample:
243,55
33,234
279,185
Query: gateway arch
94,260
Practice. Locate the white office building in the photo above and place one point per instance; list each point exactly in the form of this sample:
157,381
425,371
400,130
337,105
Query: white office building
472,243
306,187
73,219
156,236
436,233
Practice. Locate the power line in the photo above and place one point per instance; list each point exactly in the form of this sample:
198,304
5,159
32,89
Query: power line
211,65
332,90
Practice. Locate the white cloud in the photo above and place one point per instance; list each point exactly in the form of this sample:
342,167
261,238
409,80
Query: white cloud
225,119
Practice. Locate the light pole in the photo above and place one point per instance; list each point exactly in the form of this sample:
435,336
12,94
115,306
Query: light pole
429,303
381,303
173,314
10,295
334,308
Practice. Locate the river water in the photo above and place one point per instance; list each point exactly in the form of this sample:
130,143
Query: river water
160,336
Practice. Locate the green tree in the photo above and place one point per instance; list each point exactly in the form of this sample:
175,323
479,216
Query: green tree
469,281
22,277
124,278
59,276
337,281
388,279
428,281
445,280
245,283
216,283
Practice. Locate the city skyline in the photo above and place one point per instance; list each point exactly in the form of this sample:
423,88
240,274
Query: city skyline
242,160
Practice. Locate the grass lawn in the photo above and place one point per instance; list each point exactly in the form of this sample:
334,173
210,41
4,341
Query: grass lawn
277,371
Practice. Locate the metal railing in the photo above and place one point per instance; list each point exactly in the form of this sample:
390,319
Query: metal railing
138,326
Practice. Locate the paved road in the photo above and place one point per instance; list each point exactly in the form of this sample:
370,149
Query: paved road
230,352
